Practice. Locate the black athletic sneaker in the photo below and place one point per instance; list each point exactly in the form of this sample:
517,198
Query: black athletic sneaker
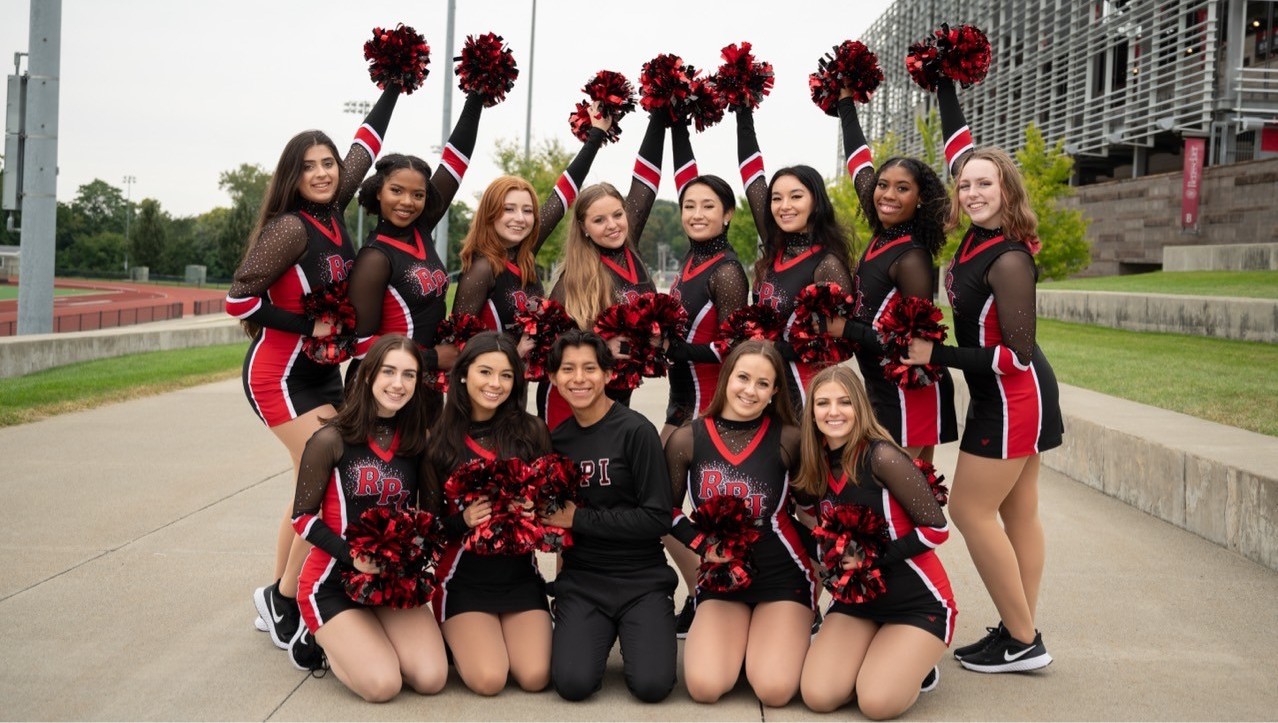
683,623
990,635
932,680
305,653
816,623
280,614
1008,655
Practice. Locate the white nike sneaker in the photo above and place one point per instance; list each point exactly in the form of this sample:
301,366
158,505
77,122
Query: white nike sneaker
1005,654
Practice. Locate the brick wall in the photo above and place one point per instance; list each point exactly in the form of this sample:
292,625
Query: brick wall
1133,219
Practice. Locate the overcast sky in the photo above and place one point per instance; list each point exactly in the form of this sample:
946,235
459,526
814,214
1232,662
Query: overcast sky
175,92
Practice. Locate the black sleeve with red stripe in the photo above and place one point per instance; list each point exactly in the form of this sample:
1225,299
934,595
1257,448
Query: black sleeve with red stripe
280,245
646,178
320,456
1011,278
750,161
678,459
566,188
367,291
685,160
366,146
907,485
860,161
958,137
473,287
453,163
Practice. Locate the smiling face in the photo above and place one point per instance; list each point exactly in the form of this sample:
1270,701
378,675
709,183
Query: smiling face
516,219
489,380
751,386
896,196
581,381
605,222
833,413
980,193
791,204
703,215
403,196
394,382
320,175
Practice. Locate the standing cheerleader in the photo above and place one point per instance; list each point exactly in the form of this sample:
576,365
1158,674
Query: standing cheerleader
492,607
906,205
1014,413
600,266
399,283
298,246
615,583
879,650
369,455
745,446
803,243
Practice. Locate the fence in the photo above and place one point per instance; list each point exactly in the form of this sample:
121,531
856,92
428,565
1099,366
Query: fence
107,318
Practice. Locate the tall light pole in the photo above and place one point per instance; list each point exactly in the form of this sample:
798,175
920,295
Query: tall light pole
441,229
360,108
39,169
128,214
532,55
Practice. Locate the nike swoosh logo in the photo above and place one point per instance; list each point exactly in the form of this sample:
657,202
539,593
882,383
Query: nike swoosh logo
270,602
1007,654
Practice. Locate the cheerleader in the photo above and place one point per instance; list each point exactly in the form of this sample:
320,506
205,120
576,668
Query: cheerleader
745,445
1014,413
399,283
298,245
615,583
875,652
803,243
906,205
601,266
492,609
369,455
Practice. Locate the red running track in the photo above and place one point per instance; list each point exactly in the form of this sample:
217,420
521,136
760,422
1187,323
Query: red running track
118,303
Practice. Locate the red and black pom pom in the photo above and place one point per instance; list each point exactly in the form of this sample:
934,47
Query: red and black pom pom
647,321
615,96
811,346
330,304
852,531
725,525
553,481
541,320
851,65
742,80
486,68
903,319
404,544
934,481
511,529
670,89
397,56
458,329
755,321
961,54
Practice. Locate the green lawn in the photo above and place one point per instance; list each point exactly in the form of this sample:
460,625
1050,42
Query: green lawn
10,291
1249,284
90,384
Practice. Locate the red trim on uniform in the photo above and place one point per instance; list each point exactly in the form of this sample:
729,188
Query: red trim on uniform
512,268
1023,415
567,189
837,483
241,308
920,416
363,344
445,569
630,273
417,251
478,449
387,454
684,175
737,459
368,138
649,174
488,316
956,144
334,233
966,252
860,158
271,359
751,167
690,272
558,410
778,265
873,251
454,161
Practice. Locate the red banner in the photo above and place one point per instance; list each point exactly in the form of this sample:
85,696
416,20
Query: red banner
1192,182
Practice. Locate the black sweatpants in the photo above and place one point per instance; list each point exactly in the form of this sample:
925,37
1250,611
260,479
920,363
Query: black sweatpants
593,610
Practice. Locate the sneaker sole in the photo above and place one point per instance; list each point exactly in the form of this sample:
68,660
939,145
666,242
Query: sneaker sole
1015,666
264,612
936,680
259,624
291,659
681,636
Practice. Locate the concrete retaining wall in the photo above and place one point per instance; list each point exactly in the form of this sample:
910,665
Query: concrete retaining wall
25,354
1219,482
1223,257
1223,317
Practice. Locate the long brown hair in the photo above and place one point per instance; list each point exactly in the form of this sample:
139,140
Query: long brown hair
814,470
823,226
358,416
1019,220
588,288
780,408
481,240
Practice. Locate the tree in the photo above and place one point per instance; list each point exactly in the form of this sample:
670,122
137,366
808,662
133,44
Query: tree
459,219
246,185
664,226
247,182
742,234
149,235
101,253
101,207
1063,232
542,169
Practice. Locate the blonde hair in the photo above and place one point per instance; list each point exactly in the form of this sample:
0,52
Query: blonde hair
481,240
1019,221
588,288
814,470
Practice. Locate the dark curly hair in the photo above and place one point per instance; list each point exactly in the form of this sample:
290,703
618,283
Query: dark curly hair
934,202
823,227
387,165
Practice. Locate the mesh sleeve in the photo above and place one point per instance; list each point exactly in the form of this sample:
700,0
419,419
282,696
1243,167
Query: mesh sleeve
907,485
566,188
366,147
367,290
860,163
750,161
1011,277
473,287
646,178
453,163
912,274
322,452
729,291
281,244
678,460
832,270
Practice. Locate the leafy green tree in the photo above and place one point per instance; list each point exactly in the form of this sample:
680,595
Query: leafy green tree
742,234
542,169
459,219
664,226
149,235
1063,232
246,185
246,182
929,127
102,253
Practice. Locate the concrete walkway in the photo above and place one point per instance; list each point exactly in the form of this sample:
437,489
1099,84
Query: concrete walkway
134,534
